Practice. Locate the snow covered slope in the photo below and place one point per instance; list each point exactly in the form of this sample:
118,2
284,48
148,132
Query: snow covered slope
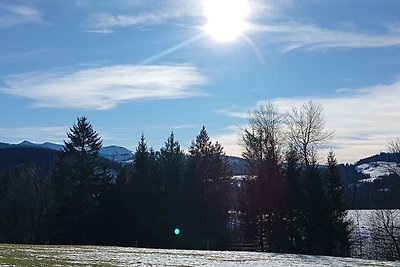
377,170
117,153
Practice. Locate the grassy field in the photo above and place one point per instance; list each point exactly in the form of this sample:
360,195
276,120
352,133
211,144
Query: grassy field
29,255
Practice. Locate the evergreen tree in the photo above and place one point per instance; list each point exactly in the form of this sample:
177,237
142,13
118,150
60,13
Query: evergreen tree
296,203
210,181
340,234
143,197
326,227
264,209
172,164
317,223
138,193
24,198
79,184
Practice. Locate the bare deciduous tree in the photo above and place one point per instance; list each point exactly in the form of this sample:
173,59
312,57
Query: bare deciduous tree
394,146
263,137
263,210
307,130
385,227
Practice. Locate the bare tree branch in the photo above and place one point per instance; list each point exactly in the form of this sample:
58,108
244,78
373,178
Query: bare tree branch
394,146
307,130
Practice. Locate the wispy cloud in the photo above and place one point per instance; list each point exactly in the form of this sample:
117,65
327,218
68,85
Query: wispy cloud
310,37
268,8
7,57
104,22
156,13
105,87
230,140
184,126
11,15
364,119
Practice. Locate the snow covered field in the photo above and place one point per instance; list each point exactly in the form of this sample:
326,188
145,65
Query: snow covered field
27,255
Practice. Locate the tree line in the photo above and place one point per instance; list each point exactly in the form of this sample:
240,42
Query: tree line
285,203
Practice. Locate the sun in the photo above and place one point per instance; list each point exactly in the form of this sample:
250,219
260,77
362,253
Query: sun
226,19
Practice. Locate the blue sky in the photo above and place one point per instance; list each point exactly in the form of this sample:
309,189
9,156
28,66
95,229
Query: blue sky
149,66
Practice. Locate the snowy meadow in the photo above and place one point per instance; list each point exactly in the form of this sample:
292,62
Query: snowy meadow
29,255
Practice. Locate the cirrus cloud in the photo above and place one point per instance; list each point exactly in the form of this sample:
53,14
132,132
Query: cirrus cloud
100,88
11,15
311,37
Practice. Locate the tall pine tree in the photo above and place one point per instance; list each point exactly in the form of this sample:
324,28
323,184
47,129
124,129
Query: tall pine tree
172,170
79,184
339,243
209,187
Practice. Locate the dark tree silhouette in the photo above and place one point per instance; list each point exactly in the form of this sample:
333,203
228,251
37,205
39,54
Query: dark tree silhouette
264,209
209,182
339,232
172,171
79,184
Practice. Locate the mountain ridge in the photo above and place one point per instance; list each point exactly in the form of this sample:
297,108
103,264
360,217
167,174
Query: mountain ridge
112,152
370,167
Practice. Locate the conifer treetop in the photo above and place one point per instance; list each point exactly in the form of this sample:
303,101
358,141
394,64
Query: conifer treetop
82,138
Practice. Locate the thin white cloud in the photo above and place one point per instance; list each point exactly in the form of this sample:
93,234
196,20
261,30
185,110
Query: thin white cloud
231,141
157,13
236,114
107,21
364,119
268,8
105,87
100,31
11,15
305,36
184,126
7,57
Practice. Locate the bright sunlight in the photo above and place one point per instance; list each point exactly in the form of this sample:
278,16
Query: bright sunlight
226,18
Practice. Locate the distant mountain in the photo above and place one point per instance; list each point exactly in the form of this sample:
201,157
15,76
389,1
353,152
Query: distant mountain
371,182
117,153
47,145
383,157
378,170
238,165
114,153
379,166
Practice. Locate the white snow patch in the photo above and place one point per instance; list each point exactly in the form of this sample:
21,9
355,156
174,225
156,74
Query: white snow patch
117,153
123,256
377,170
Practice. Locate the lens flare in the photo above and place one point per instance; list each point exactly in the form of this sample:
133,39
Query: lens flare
177,231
